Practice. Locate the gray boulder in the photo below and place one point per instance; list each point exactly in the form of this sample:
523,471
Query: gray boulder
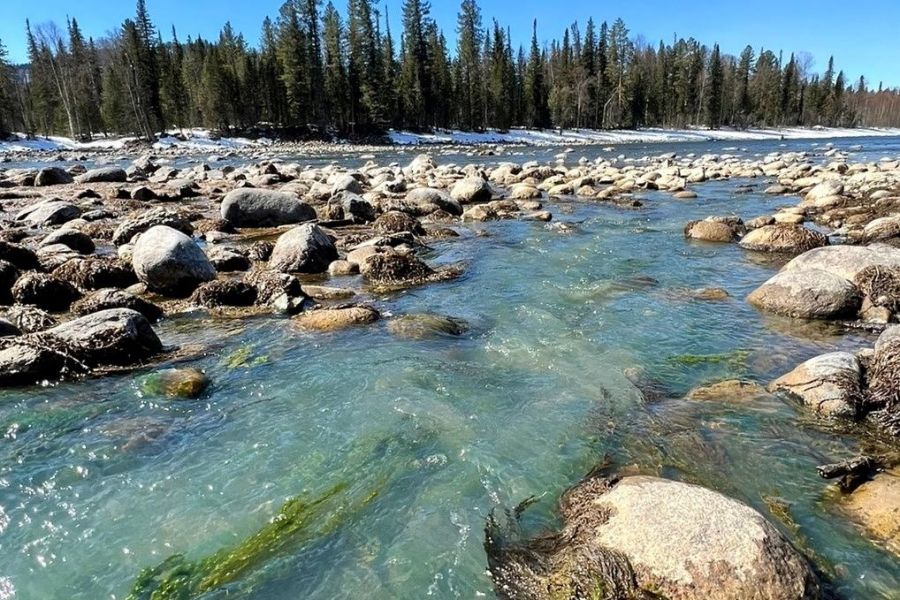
303,249
424,201
783,237
251,207
103,175
471,189
53,212
169,262
45,291
145,220
807,294
74,239
830,384
52,176
846,261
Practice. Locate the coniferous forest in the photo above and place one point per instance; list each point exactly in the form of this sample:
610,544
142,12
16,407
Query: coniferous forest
320,72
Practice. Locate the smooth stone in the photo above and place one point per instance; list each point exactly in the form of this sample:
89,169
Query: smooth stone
334,319
252,207
303,249
829,384
169,262
188,383
807,294
729,390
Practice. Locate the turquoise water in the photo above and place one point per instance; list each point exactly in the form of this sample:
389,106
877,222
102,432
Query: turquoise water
98,482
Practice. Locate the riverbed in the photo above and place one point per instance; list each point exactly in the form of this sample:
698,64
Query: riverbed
98,480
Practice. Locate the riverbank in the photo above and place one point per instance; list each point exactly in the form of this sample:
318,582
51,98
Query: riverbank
469,301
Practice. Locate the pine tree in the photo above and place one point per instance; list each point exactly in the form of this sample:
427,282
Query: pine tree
334,70
6,86
415,69
538,113
469,76
714,91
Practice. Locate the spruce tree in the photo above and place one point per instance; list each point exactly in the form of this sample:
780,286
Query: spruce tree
714,90
469,76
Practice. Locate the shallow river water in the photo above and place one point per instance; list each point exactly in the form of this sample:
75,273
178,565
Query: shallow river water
98,481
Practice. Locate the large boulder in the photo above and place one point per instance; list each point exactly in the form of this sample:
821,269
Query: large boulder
642,537
44,291
303,249
94,273
145,220
103,175
108,298
783,237
251,207
471,189
830,384
334,319
875,505
169,262
826,189
110,337
19,256
52,176
356,207
714,229
846,261
807,294
52,212
396,221
228,292
74,239
424,201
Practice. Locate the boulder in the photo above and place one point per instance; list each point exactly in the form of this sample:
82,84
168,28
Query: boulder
9,329
470,190
830,384
346,183
303,249
145,220
424,201
230,292
169,262
826,189
30,319
713,229
846,261
8,276
426,326
783,237
333,319
19,256
251,207
103,175
875,506
641,537
44,291
807,294
882,229
356,207
108,298
185,383
731,390
74,239
94,273
392,267
52,176
53,212
226,260
396,221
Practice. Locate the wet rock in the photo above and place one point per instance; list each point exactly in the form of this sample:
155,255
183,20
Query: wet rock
830,384
731,390
875,505
187,383
142,222
426,325
713,229
783,237
116,337
425,201
356,207
391,267
103,175
53,212
340,268
143,194
711,294
271,285
105,299
480,213
251,207
303,249
74,239
30,319
169,262
95,273
397,222
334,319
471,190
19,256
846,261
52,176
524,192
44,291
685,195
229,292
227,260
8,276
642,537
322,292
807,294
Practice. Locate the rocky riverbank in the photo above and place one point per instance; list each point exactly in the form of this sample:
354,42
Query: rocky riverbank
91,258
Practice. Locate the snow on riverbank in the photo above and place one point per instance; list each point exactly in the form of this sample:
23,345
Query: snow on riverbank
550,137
190,140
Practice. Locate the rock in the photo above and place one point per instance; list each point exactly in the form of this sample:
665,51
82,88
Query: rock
846,261
882,229
261,250
143,194
356,207
19,256
151,218
397,222
111,337
103,175
52,176
341,268
30,319
426,325
425,201
8,329
644,536
480,213
711,294
227,260
229,292
824,190
169,262
333,319
392,267
105,299
187,383
321,292
807,294
731,390
53,212
524,192
875,505
55,255
270,285
346,183
95,273
45,291
783,237
74,239
303,249
8,276
685,195
712,229
830,384
251,207
471,190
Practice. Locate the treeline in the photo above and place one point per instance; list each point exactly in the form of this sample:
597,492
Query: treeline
318,71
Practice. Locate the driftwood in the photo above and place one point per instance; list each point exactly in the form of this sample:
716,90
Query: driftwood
850,473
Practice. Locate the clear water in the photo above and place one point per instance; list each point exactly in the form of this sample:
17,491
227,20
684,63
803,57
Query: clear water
97,482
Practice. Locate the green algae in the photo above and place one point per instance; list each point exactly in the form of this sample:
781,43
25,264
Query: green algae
736,360
244,358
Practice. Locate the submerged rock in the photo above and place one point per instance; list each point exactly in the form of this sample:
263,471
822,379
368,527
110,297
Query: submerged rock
334,319
169,262
426,325
729,390
830,384
188,383
645,537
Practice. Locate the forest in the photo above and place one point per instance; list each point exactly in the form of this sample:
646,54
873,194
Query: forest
321,73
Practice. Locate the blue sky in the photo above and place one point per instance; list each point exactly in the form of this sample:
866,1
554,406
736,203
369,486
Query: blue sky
862,35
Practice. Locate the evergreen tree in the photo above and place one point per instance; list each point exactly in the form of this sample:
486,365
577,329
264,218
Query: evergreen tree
335,72
537,110
714,90
416,81
469,76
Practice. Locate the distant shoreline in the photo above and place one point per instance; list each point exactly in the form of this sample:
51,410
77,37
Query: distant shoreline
201,141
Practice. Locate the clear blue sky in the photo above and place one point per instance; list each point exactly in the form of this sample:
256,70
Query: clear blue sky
862,35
